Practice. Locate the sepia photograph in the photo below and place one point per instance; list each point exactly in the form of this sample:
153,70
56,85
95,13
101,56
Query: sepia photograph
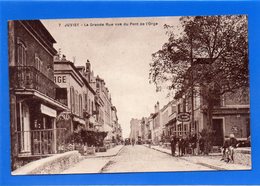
126,95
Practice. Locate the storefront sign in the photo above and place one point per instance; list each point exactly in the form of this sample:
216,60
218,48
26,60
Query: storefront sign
64,116
48,111
60,79
183,117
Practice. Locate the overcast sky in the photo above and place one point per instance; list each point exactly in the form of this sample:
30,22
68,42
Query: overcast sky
120,55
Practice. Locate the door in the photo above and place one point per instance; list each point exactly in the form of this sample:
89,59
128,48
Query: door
218,131
25,128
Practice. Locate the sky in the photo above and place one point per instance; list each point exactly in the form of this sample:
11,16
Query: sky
120,54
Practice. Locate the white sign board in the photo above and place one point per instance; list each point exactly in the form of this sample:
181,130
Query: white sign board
48,111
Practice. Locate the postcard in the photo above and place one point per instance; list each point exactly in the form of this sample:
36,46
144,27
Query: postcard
121,95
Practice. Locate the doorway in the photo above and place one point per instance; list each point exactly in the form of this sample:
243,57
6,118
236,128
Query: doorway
218,132
25,135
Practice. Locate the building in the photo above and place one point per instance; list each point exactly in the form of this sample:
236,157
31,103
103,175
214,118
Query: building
80,95
135,129
231,114
104,103
34,103
169,114
89,95
157,125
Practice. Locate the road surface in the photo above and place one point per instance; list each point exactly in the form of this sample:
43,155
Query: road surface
139,158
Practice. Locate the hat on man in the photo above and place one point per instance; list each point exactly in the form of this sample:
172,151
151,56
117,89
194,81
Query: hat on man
231,135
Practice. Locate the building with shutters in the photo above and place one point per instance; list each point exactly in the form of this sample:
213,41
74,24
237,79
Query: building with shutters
80,95
34,105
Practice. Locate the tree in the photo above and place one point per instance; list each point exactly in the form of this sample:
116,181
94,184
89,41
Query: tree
210,53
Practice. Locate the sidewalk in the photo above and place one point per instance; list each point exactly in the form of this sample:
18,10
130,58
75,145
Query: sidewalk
94,163
109,153
211,161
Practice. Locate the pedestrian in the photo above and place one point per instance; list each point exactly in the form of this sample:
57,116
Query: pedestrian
173,144
232,145
202,145
133,141
185,146
193,142
224,150
181,146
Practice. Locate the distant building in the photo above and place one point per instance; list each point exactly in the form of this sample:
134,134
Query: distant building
135,129
157,125
104,104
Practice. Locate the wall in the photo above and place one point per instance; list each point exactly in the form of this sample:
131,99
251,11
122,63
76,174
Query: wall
34,48
69,78
236,124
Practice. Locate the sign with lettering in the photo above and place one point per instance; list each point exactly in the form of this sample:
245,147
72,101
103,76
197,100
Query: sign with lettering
183,117
60,79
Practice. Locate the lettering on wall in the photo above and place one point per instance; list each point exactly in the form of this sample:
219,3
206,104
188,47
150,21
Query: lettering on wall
60,79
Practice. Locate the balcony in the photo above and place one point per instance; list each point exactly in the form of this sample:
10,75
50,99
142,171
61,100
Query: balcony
28,77
40,142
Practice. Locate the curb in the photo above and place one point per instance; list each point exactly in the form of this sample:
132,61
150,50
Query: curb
104,156
109,162
199,163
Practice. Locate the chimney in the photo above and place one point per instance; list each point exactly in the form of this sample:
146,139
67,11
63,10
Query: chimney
157,107
88,67
63,58
56,58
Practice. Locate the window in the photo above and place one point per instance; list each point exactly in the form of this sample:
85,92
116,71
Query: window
92,106
38,62
80,105
21,53
184,105
77,102
72,99
179,108
89,109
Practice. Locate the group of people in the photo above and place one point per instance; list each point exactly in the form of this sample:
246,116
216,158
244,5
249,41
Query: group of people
228,149
186,144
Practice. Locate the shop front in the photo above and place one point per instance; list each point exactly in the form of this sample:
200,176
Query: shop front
36,128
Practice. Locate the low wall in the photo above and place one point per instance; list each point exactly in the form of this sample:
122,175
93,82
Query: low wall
51,165
242,156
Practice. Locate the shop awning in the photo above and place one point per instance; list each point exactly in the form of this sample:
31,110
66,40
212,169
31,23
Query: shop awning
79,120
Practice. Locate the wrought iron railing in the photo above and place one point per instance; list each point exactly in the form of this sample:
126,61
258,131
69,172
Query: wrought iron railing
28,77
40,142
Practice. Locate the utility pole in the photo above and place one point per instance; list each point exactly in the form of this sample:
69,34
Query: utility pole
192,85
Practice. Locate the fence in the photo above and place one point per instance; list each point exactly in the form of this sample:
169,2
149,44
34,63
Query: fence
40,142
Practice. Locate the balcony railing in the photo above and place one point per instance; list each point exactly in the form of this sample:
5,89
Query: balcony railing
40,142
28,77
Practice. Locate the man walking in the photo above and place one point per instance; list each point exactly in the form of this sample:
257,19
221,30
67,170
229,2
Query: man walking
173,144
181,146
133,141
